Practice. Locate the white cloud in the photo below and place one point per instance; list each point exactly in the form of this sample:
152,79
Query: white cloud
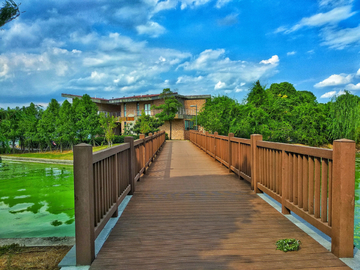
274,60
220,85
358,72
353,86
152,29
335,80
328,94
291,53
332,3
332,17
340,39
221,3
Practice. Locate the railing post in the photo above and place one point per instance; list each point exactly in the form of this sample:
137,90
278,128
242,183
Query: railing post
215,134
151,147
284,182
130,140
142,137
84,204
206,135
255,161
230,153
343,198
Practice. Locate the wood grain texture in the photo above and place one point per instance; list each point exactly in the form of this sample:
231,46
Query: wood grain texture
189,212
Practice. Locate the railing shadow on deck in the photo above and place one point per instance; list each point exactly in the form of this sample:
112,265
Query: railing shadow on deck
316,184
101,182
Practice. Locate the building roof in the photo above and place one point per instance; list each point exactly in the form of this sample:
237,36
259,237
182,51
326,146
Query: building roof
136,98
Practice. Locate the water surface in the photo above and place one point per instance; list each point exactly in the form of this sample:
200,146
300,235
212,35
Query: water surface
36,200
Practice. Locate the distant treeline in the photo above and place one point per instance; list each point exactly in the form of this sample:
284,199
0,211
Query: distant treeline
56,127
283,114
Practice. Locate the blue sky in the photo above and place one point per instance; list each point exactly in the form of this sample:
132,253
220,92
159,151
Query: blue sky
123,48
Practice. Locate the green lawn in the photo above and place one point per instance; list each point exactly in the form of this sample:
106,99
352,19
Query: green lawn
65,155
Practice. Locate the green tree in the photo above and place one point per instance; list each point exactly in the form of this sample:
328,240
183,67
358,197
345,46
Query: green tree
344,117
66,125
219,114
47,126
169,108
29,124
86,119
108,123
257,95
146,124
9,12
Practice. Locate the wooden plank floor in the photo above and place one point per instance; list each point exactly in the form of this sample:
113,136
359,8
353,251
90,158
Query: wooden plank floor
188,212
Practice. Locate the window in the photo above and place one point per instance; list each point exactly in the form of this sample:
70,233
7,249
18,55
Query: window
147,109
138,109
189,125
124,109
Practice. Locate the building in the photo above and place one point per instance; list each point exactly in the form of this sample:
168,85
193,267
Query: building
128,109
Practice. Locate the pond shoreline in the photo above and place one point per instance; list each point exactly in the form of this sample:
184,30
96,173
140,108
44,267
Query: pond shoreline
38,160
39,241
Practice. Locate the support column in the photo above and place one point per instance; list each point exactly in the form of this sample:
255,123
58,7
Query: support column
231,135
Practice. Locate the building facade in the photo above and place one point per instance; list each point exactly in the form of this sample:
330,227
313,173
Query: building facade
128,109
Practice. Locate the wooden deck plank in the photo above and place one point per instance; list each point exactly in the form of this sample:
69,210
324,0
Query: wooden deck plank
188,212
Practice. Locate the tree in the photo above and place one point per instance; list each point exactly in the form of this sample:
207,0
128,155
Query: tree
47,126
29,124
86,119
9,12
219,114
169,108
108,123
66,125
344,117
257,94
146,124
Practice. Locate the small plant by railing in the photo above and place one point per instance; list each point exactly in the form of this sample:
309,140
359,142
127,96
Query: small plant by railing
101,182
316,184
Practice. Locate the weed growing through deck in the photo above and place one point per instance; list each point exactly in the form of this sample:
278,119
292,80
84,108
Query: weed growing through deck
288,244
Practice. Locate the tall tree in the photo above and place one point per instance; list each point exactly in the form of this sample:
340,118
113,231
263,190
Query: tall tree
29,124
344,117
169,108
66,125
146,124
47,126
9,12
108,123
86,119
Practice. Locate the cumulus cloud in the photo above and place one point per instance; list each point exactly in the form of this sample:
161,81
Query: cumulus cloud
335,80
152,29
353,86
220,85
329,94
219,72
358,72
274,60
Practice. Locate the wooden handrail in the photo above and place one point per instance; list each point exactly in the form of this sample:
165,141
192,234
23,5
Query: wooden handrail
101,182
316,184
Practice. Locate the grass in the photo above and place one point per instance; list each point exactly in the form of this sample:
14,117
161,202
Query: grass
18,257
65,155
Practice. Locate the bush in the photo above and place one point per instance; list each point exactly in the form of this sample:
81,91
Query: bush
166,136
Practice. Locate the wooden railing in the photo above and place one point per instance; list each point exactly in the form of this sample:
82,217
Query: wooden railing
316,184
101,182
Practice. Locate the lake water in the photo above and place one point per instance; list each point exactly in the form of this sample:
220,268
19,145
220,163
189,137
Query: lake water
36,200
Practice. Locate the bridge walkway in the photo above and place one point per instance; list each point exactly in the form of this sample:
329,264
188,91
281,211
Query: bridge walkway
189,212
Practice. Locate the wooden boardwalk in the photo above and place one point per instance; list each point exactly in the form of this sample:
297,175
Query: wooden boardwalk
188,212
